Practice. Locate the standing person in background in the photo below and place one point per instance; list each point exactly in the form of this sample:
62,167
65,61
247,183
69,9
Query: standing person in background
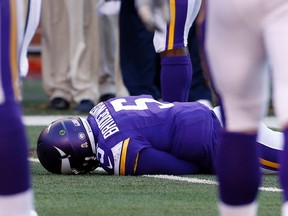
138,60
110,79
200,88
239,48
16,195
69,53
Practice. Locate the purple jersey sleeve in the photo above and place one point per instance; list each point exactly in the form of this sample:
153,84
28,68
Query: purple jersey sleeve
121,158
152,161
269,158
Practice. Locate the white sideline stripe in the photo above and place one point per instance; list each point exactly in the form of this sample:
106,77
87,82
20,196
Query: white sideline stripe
39,120
203,181
270,189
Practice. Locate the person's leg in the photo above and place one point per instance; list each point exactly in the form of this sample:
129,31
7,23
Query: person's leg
171,42
176,76
270,145
241,81
55,53
275,35
199,89
83,77
138,59
108,45
16,195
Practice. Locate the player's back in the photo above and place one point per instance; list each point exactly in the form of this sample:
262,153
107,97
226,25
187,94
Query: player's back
183,129
156,121
132,115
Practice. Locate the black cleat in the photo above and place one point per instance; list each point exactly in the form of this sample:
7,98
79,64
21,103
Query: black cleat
84,106
59,103
106,97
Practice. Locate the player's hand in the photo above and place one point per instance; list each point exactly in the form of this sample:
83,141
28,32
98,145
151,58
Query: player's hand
108,7
147,10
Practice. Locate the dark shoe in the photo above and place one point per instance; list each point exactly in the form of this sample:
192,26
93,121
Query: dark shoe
106,97
59,104
84,106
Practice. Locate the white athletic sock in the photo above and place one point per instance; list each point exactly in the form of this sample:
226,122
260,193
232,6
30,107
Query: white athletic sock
21,204
247,210
284,210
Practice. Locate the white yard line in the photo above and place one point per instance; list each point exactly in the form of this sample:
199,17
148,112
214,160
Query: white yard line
185,179
34,160
203,181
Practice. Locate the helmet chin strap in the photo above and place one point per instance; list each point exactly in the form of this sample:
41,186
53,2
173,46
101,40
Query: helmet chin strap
89,133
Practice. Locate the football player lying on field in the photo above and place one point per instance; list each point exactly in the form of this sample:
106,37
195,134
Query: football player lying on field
138,135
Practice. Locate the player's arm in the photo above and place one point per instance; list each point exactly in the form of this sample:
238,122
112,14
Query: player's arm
32,20
152,161
148,9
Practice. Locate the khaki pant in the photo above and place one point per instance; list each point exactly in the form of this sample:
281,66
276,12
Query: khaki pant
109,68
76,65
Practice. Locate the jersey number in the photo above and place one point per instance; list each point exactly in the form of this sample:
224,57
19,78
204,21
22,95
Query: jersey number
140,104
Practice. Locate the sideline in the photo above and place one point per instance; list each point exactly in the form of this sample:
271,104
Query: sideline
41,120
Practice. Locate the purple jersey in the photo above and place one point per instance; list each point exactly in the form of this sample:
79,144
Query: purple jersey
124,127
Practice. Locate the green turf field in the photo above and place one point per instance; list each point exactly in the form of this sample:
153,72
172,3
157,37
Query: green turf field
100,194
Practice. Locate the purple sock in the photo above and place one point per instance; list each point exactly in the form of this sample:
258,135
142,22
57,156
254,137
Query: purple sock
283,173
14,163
237,167
176,77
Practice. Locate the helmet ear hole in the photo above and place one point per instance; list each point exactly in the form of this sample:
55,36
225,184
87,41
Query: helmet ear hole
64,145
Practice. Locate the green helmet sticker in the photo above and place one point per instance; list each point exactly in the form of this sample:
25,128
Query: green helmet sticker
62,132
